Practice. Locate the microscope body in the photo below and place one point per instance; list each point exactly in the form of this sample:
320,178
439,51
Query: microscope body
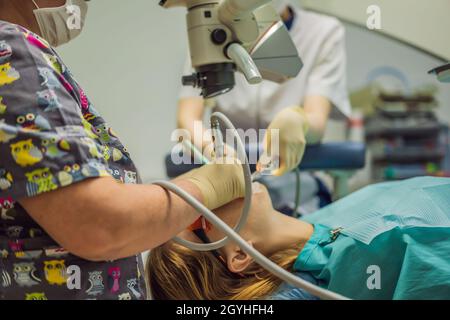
226,36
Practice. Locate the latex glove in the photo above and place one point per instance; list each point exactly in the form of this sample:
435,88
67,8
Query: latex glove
293,127
219,184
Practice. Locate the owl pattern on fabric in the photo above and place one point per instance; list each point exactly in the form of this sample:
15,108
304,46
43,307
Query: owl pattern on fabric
8,74
48,100
55,272
52,137
24,274
40,181
55,147
25,153
96,283
114,275
6,179
7,210
3,106
36,296
32,121
5,52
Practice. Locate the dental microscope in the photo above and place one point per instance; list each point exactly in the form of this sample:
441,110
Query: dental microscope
226,36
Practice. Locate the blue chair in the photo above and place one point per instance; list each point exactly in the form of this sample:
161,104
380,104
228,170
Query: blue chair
339,159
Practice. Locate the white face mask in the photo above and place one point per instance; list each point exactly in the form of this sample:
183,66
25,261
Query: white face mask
60,25
280,5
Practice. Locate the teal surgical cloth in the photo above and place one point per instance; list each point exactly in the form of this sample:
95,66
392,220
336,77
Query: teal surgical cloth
394,242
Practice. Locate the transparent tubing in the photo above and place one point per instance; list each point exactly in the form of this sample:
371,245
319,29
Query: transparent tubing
248,191
233,235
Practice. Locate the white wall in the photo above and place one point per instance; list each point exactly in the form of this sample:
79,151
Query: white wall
424,23
129,61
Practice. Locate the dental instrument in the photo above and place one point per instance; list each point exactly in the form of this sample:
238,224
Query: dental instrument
217,136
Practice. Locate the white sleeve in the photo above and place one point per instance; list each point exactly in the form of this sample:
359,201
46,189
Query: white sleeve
188,91
329,76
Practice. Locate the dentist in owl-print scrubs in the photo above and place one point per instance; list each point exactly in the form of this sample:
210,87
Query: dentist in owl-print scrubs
70,194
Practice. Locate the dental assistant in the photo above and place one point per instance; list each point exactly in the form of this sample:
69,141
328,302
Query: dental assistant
299,108
69,191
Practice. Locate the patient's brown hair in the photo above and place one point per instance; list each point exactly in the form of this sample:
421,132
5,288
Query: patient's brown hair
177,273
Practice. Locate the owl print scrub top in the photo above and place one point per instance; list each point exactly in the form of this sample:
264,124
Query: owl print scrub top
52,137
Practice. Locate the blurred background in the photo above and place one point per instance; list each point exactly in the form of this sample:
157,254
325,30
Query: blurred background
130,58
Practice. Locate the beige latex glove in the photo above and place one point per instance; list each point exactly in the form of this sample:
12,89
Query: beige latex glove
293,127
219,184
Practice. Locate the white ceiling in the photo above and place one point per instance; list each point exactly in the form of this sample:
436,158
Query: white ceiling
424,24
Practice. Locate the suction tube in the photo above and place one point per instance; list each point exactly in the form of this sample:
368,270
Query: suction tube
233,234
248,191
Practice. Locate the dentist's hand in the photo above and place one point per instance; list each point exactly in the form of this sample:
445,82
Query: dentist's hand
293,127
219,183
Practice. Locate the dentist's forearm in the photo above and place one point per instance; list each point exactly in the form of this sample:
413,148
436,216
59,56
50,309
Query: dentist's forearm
161,215
100,219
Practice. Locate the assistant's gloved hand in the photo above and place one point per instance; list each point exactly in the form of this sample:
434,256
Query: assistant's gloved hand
293,127
219,183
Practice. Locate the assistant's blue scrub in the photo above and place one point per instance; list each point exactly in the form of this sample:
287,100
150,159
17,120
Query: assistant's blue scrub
387,241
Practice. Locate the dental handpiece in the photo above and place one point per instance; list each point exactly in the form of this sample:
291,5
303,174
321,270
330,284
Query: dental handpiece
217,136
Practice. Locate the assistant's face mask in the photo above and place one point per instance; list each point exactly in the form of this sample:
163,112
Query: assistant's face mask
60,25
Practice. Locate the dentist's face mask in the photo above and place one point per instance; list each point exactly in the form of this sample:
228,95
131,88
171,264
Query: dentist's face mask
60,25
